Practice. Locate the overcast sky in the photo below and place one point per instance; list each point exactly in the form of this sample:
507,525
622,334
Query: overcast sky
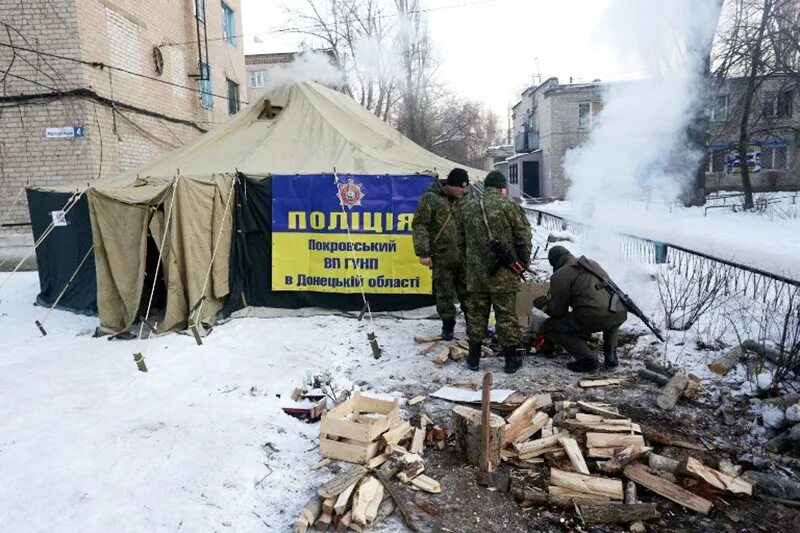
488,49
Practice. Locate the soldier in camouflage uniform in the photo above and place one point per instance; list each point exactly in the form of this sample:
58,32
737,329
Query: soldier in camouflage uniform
435,233
494,216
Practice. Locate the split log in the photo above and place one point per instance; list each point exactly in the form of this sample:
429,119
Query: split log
467,423
606,426
547,430
421,340
575,455
665,464
655,377
370,490
672,391
337,485
770,485
620,459
591,383
418,442
665,370
630,492
611,513
393,436
540,420
767,353
442,357
309,514
693,468
656,437
343,500
671,491
598,486
597,410
401,505
727,361
529,498
526,448
692,387
590,419
415,400
427,484
612,440
519,419
411,471
554,490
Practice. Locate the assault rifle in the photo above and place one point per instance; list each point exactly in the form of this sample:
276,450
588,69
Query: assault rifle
618,296
504,257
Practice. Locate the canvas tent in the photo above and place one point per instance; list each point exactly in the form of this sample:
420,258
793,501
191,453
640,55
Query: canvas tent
207,209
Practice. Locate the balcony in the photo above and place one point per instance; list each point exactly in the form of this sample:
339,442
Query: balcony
526,141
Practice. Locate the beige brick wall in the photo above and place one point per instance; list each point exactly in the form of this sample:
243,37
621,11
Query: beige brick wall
121,33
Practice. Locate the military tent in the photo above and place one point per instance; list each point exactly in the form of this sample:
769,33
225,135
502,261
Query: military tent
206,210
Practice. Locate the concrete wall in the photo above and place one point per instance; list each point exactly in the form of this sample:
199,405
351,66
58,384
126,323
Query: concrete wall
120,33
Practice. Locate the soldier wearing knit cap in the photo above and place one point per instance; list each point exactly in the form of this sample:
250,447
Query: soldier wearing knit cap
435,235
494,216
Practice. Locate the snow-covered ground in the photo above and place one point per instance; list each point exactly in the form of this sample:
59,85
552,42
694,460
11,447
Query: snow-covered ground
769,241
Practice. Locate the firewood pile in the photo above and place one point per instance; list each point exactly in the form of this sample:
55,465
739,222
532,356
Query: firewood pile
595,458
387,450
455,350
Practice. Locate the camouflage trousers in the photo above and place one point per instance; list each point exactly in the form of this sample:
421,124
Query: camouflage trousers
447,283
505,315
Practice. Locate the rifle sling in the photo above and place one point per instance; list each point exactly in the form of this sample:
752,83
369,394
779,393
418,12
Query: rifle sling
441,230
486,221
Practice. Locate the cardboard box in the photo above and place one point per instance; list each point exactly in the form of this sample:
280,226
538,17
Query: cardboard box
528,292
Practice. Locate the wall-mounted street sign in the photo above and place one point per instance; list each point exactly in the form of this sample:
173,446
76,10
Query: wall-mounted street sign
69,131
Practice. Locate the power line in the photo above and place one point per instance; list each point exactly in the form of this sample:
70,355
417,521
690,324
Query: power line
100,65
317,26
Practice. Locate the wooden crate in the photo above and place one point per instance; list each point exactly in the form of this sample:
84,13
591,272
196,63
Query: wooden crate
350,431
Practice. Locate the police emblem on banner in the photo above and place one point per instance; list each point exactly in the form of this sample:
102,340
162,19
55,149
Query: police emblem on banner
350,194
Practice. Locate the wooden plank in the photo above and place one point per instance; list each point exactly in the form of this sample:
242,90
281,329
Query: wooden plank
344,428
553,490
337,485
486,433
375,405
610,513
418,441
591,383
599,486
341,410
612,440
597,410
343,500
694,468
345,451
575,456
540,420
393,436
416,399
671,491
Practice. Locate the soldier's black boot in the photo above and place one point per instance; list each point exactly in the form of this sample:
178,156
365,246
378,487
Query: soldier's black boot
513,359
585,364
610,357
474,357
448,328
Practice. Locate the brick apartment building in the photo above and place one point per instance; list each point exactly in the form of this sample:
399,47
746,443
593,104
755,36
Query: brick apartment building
774,136
260,67
153,74
548,120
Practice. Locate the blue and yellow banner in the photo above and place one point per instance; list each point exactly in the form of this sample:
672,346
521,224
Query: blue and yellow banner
312,249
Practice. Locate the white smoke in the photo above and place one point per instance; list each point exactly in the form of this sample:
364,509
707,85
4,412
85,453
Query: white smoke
311,65
638,147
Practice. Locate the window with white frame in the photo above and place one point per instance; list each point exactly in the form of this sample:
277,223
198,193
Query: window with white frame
258,79
773,157
720,107
228,24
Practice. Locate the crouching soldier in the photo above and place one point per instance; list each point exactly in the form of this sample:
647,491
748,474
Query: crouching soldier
594,306
435,234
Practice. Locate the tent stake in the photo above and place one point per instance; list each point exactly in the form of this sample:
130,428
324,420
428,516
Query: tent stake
373,343
139,360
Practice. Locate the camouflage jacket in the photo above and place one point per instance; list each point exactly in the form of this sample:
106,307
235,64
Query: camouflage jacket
509,224
433,209
573,286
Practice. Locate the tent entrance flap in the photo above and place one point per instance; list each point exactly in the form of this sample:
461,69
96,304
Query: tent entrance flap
252,255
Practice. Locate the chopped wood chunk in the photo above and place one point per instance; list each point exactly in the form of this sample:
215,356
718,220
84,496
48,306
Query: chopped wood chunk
598,410
320,464
671,491
343,500
427,484
575,455
561,491
612,440
672,391
540,420
411,471
416,399
599,486
420,340
335,486
418,442
590,383
367,498
393,436
309,514
694,468
443,356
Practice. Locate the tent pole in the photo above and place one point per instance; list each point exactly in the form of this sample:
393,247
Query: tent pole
39,324
74,200
198,307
